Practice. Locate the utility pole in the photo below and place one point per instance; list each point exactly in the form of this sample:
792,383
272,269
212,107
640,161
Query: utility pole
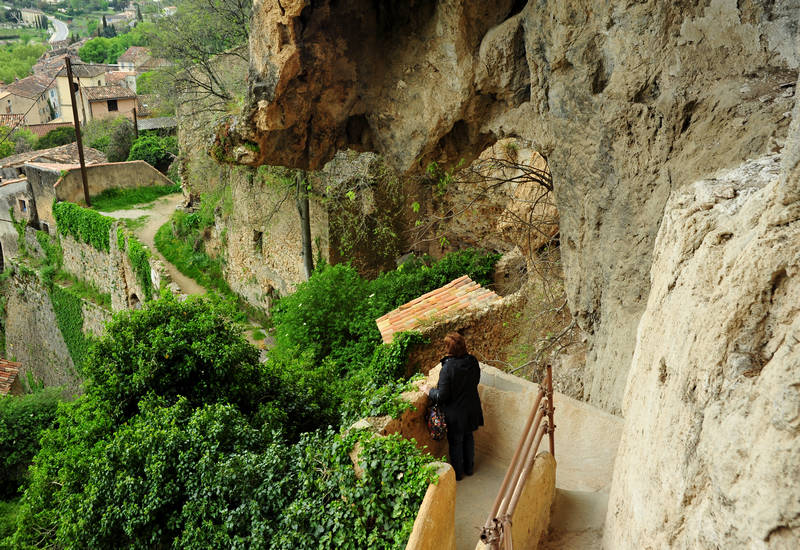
77,132
135,124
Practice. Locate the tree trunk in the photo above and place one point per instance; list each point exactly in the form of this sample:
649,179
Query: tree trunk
305,222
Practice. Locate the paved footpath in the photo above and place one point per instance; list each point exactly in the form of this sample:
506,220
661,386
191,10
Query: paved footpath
586,445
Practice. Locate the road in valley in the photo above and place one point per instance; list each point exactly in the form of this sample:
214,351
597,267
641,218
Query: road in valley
61,30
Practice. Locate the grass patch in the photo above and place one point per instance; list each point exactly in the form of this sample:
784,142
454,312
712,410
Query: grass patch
198,265
258,335
84,289
135,224
120,199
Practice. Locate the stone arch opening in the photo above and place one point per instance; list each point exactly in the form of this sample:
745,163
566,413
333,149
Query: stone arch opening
134,302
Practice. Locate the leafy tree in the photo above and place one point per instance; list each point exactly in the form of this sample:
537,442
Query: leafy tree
54,138
22,139
157,151
17,59
196,39
113,137
22,421
6,145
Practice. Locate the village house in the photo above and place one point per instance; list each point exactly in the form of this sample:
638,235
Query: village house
84,77
12,167
35,97
133,58
110,101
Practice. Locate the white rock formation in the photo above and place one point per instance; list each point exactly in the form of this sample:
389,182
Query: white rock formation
710,454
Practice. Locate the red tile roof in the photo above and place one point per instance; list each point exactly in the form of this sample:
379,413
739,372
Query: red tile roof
30,87
64,154
118,77
454,297
42,129
9,371
11,120
102,93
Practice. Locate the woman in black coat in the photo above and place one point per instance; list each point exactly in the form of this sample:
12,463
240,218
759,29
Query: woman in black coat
457,395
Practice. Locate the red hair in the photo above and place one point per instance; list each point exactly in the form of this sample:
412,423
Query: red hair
455,345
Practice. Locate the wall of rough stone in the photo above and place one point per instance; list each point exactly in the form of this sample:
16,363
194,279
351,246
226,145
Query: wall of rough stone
262,268
32,335
111,272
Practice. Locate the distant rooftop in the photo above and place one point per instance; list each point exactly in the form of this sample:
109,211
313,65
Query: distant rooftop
64,154
30,87
157,123
115,91
10,120
454,297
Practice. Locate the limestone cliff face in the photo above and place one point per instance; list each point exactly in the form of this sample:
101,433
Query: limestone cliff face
717,466
627,100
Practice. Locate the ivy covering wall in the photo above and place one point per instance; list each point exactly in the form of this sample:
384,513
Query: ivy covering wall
84,225
139,257
69,316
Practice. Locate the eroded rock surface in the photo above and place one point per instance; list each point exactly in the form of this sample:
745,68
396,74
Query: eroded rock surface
627,101
718,358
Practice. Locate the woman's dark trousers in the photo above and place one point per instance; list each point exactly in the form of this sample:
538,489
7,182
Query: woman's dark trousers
462,452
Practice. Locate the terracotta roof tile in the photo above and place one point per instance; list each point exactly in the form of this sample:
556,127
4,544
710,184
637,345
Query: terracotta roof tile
134,54
64,154
11,119
9,371
30,87
454,297
115,91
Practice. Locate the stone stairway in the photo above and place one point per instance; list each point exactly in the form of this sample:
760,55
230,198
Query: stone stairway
586,444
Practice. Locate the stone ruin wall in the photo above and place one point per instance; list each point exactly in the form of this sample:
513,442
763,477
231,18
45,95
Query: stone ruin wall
33,337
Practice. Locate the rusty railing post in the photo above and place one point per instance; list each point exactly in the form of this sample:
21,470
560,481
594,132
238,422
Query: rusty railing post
551,427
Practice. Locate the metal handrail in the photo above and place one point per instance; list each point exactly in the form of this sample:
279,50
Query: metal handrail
497,529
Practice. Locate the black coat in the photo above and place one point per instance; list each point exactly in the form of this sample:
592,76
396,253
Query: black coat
457,393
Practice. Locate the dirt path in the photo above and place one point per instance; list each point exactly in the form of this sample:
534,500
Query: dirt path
157,215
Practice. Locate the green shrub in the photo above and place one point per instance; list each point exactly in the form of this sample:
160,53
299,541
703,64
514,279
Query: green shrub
140,260
83,225
320,312
54,138
69,317
157,151
9,510
112,136
22,420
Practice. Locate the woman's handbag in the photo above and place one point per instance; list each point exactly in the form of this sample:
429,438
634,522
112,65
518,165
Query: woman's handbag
436,424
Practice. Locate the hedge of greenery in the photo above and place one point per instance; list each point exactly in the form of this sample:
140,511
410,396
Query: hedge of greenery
184,439
83,224
22,421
